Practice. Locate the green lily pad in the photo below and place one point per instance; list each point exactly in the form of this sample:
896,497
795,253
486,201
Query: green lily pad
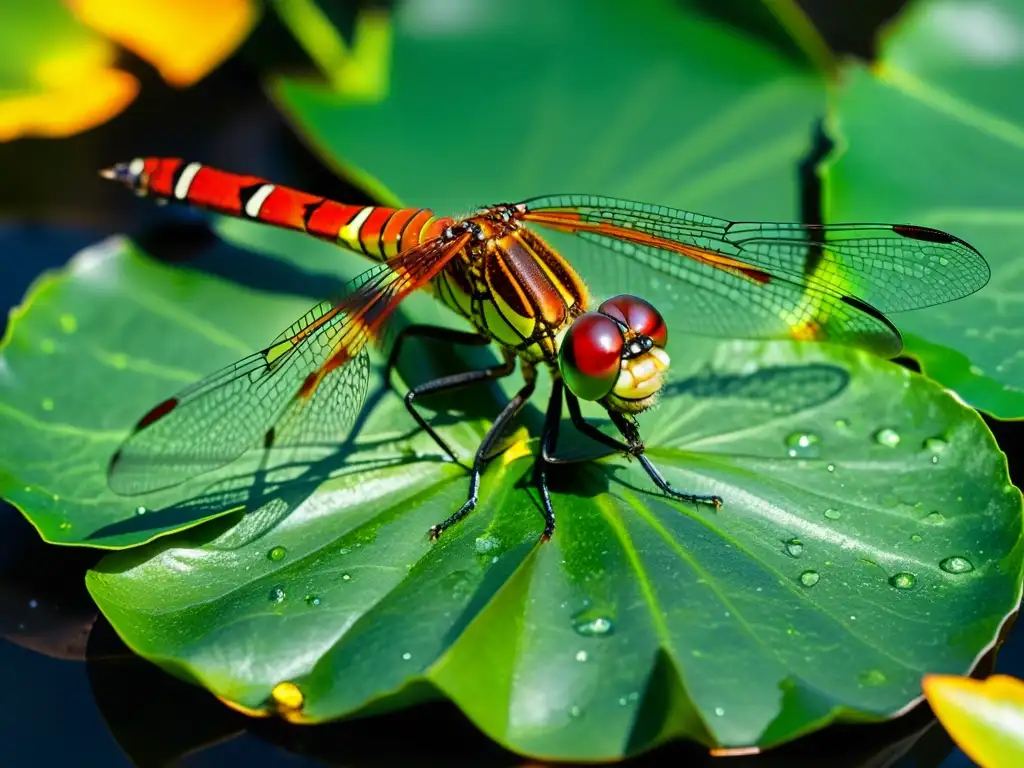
511,100
934,135
869,535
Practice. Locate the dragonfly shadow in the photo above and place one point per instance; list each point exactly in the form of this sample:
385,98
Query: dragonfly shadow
194,243
259,497
784,389
769,392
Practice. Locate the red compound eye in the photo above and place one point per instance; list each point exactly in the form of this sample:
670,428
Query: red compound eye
637,315
590,356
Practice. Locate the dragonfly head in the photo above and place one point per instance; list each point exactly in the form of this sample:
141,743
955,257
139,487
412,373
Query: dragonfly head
616,355
130,174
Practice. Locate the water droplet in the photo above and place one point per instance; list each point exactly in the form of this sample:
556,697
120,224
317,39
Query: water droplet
312,600
719,711
622,701
887,437
802,445
46,404
486,544
65,525
68,323
842,423
277,553
833,514
276,594
935,518
915,538
33,603
872,677
809,578
956,564
794,547
831,467
903,580
406,656
581,656
574,711
140,510
596,627
346,577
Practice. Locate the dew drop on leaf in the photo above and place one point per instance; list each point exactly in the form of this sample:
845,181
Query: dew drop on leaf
935,518
873,677
831,467
276,594
581,656
277,554
794,548
313,600
809,578
956,564
574,711
140,510
903,580
346,577
719,711
842,423
832,514
593,627
802,445
915,538
65,525
406,656
887,437
486,544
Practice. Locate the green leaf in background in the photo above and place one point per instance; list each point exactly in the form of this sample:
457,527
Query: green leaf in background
502,101
931,135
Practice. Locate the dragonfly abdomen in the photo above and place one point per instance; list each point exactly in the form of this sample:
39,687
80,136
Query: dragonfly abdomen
375,231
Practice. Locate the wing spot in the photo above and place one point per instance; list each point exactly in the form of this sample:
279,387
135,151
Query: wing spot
157,413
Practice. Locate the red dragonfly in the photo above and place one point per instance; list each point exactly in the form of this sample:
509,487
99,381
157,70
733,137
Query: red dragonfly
763,280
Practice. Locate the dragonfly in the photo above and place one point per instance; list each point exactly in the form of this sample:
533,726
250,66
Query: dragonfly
832,283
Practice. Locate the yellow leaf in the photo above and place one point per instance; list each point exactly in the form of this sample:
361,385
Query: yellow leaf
984,717
183,39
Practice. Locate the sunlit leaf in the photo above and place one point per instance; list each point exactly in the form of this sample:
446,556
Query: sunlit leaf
183,39
984,717
56,77
932,136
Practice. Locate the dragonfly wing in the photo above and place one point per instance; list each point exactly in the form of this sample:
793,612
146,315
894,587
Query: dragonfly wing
306,386
772,280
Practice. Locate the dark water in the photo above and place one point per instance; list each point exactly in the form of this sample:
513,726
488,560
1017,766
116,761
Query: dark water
73,695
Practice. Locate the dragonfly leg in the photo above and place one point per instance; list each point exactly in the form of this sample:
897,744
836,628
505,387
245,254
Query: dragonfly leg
435,332
449,383
634,446
627,426
548,445
483,452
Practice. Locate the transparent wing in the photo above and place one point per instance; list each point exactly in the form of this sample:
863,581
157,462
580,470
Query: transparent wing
774,280
307,386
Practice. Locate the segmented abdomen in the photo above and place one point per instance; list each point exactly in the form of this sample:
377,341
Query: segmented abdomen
375,231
